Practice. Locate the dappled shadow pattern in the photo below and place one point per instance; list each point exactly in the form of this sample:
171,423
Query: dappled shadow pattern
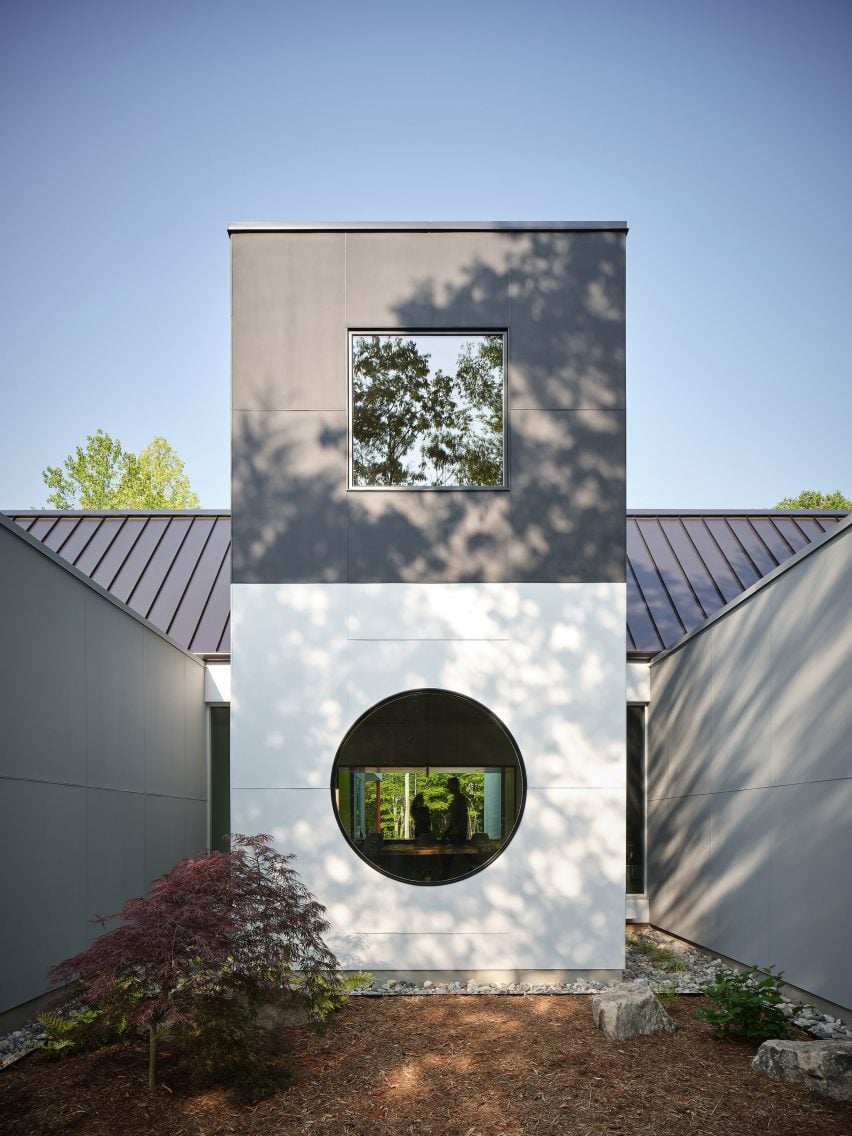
562,516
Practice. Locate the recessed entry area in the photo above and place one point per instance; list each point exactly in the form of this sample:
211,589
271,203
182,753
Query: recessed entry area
427,410
428,787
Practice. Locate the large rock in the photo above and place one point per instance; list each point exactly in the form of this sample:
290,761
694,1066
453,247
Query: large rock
625,1011
825,1066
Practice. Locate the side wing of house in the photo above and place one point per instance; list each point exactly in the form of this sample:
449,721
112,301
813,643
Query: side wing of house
750,775
103,772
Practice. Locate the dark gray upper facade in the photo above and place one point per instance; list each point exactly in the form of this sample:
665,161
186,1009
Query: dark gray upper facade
558,291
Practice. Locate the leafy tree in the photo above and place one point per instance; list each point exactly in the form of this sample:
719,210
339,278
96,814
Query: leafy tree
102,475
436,796
413,425
214,938
813,499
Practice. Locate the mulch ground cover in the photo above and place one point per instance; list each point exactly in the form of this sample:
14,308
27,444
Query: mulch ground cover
438,1066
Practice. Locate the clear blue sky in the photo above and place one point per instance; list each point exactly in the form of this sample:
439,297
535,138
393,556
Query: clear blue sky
133,133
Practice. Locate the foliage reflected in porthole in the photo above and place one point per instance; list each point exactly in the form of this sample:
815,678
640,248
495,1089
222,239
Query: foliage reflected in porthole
428,787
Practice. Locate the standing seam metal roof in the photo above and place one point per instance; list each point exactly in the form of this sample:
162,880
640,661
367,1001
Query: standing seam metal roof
682,567
174,569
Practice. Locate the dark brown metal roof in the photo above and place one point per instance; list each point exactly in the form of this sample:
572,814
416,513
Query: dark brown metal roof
175,568
682,566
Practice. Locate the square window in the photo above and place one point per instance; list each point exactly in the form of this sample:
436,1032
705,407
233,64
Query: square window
427,410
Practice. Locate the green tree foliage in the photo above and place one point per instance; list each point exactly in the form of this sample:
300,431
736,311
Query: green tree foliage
413,425
103,475
436,797
813,499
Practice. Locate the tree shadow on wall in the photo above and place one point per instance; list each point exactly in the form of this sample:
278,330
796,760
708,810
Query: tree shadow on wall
562,518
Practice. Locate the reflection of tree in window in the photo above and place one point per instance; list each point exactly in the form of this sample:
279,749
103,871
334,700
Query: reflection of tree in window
417,421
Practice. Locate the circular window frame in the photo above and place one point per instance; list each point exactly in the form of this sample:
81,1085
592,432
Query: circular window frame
482,709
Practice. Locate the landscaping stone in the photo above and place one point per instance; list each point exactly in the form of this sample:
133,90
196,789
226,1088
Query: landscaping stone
825,1066
625,1011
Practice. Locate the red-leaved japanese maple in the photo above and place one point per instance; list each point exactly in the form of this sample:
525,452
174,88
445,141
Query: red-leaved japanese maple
227,929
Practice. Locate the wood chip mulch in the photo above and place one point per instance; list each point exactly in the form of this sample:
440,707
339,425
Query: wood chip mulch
439,1066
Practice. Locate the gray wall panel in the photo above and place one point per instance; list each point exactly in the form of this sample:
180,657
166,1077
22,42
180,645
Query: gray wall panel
688,713
811,667
288,309
657,863
658,729
811,912
567,321
196,750
436,537
567,496
742,696
195,820
426,280
289,497
85,688
42,845
42,709
165,834
777,667
114,821
115,736
165,718
740,868
688,870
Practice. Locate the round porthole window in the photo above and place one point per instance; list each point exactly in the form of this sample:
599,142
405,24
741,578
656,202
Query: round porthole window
428,787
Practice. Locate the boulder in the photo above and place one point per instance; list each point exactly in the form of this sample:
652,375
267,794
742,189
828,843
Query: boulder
825,1066
625,1011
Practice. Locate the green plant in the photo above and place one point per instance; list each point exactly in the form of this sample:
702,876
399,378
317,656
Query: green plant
665,959
746,1003
216,938
78,1027
667,995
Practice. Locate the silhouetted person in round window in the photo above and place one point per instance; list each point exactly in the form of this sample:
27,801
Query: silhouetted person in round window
456,832
421,816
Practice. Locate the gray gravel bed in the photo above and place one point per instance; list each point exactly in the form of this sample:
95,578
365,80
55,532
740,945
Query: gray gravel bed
695,968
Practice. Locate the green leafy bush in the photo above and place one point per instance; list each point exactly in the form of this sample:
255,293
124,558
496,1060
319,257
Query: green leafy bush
79,1027
746,1003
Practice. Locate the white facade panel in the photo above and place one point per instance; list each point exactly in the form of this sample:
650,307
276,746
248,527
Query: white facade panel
547,659
288,676
638,682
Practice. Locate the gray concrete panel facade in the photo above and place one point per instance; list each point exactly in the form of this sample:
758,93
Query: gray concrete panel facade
41,746
289,300
754,812
43,844
567,319
103,780
559,296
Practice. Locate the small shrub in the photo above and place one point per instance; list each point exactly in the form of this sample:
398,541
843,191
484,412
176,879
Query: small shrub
745,1003
667,995
663,958
79,1027
215,938
225,1046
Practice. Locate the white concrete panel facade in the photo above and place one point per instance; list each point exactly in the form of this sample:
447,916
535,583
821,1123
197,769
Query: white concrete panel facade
547,659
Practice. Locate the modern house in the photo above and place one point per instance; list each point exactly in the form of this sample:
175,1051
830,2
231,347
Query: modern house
686,572
427,596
